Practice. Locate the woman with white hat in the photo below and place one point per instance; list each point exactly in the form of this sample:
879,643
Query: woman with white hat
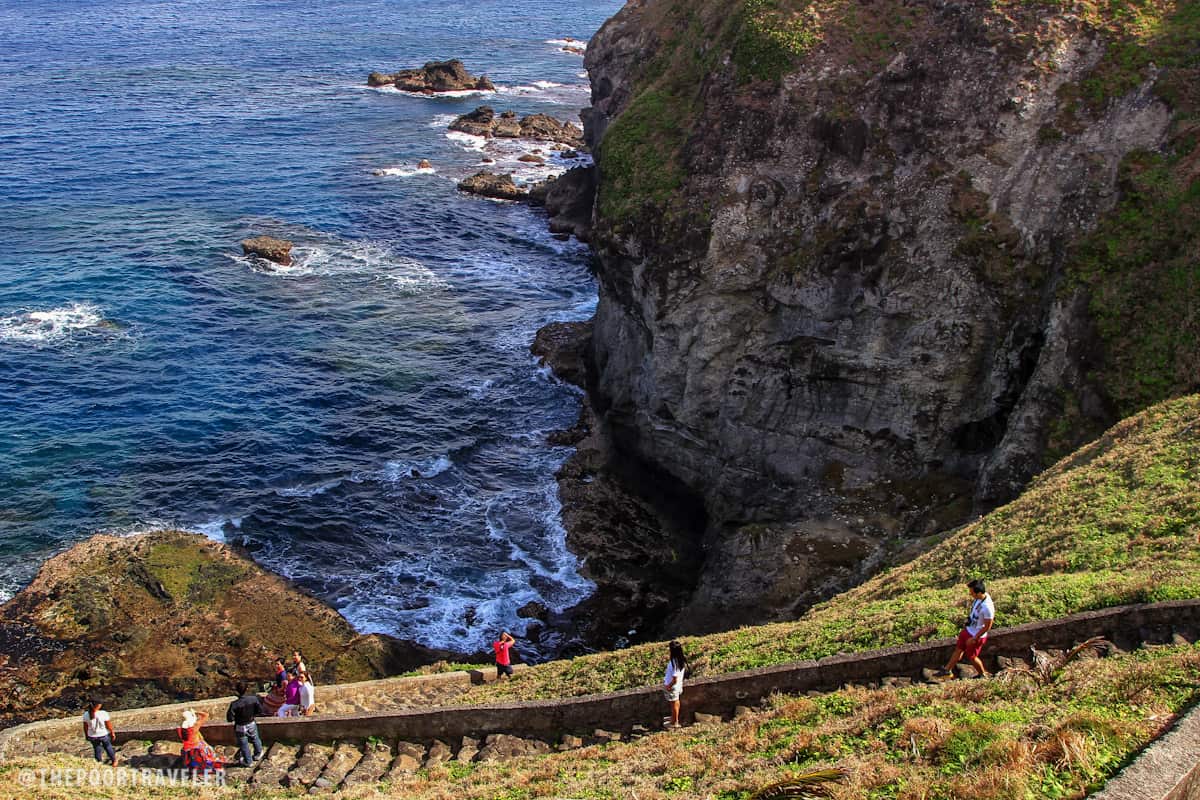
198,755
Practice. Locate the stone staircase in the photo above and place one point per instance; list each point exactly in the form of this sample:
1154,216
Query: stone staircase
329,768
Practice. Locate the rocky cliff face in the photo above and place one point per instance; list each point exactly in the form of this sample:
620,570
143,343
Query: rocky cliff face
840,292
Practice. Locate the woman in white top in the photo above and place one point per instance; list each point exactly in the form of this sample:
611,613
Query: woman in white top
308,696
99,731
677,666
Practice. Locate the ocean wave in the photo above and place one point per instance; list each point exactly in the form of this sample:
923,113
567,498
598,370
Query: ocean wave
56,324
522,520
338,258
456,94
573,94
567,41
467,140
395,471
220,528
403,172
311,490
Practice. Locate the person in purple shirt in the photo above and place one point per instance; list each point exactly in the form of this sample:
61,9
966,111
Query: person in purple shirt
291,698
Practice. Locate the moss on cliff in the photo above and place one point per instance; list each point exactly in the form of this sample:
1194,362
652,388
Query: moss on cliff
1141,264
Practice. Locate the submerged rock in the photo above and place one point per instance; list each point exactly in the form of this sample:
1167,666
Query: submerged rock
490,184
434,77
270,248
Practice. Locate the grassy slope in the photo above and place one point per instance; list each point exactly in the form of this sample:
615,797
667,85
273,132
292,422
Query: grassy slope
1116,522
990,740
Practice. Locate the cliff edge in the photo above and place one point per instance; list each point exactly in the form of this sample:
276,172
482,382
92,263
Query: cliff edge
865,268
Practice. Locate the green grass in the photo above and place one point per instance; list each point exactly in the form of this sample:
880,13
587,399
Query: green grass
191,574
1116,522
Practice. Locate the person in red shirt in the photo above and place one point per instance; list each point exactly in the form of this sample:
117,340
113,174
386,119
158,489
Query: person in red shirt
503,660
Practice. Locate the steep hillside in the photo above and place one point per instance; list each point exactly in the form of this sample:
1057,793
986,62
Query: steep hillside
1116,522
865,268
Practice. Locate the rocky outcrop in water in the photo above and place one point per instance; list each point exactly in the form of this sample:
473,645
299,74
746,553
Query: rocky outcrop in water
836,301
270,248
434,77
169,615
493,185
568,200
484,121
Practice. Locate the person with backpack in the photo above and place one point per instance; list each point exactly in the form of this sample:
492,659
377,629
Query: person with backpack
677,667
98,729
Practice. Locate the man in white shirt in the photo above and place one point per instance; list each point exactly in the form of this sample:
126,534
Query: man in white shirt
972,638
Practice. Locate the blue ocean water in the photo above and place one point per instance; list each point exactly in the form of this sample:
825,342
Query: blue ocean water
369,421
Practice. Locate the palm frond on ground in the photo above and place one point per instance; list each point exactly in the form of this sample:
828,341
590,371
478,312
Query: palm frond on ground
801,787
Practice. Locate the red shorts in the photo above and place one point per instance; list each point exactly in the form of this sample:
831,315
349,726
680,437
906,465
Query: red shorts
970,651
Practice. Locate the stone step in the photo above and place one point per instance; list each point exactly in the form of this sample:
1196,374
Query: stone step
274,766
501,746
408,760
308,765
344,759
377,757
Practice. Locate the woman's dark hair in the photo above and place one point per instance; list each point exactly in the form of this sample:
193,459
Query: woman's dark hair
91,706
677,656
241,689
977,586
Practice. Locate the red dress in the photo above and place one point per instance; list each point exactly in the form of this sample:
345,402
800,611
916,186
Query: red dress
198,755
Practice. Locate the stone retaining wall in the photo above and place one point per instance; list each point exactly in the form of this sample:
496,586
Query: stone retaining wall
1125,626
1169,769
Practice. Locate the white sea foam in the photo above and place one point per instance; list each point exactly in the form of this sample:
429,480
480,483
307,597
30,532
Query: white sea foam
404,172
573,94
218,529
336,258
569,42
427,468
458,93
440,121
467,140
56,324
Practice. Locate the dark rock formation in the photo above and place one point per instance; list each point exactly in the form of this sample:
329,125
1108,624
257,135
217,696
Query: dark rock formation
633,529
568,200
563,346
169,616
434,77
833,309
270,248
484,121
489,184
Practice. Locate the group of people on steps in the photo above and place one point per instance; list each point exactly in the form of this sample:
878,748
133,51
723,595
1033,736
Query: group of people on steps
289,697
